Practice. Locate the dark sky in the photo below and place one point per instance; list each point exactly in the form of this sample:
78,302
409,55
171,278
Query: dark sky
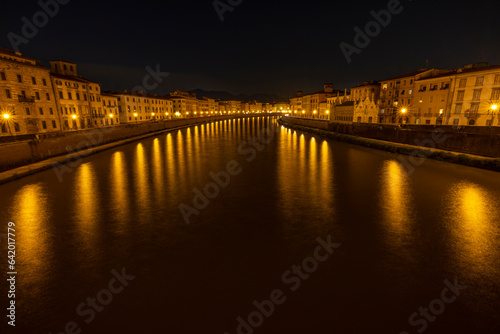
262,46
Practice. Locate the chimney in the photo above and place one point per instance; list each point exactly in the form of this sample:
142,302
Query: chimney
328,88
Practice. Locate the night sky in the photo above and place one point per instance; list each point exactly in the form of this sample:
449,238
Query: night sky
275,46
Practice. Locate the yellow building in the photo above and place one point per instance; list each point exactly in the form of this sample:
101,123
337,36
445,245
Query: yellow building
309,105
136,107
368,89
396,94
78,99
432,100
185,103
27,102
110,107
476,98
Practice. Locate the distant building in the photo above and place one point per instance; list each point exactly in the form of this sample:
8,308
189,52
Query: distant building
110,106
27,101
136,107
185,103
368,89
342,113
309,105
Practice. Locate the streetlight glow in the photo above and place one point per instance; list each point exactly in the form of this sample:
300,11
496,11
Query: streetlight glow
74,116
494,107
6,116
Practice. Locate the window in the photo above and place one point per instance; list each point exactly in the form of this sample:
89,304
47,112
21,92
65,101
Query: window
458,108
40,110
77,96
495,94
417,121
44,82
48,96
7,92
460,95
456,121
479,81
428,121
28,111
64,66
61,95
497,79
37,95
4,128
51,111
370,119
44,125
71,68
85,97
474,107
477,95
19,78
489,122
410,91
16,127
69,96
33,80
2,74
462,83
54,124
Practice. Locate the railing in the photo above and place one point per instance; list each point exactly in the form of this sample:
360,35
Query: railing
472,114
23,98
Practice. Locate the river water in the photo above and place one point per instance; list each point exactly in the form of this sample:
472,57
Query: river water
302,235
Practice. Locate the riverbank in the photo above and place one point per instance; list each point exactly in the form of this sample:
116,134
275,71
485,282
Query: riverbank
404,149
87,143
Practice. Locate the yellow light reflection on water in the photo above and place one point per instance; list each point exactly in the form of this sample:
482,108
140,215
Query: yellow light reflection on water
473,216
396,203
141,170
32,219
119,186
158,170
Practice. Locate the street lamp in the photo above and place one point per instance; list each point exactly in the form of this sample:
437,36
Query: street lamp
494,108
135,115
6,116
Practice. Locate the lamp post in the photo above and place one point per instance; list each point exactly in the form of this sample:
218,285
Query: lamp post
494,108
403,114
7,116
135,115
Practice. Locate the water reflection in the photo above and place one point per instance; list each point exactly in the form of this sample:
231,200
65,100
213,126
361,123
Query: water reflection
119,187
32,220
396,204
158,170
473,223
141,177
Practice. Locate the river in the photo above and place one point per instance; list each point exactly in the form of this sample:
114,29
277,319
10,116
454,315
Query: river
243,226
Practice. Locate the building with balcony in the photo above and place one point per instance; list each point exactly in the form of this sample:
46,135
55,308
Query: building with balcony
78,99
396,94
476,96
27,101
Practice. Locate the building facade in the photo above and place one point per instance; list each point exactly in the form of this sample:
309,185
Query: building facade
27,101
